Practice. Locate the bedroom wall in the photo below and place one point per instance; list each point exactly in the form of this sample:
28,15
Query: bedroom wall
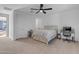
66,17
23,23
11,25
47,19
70,17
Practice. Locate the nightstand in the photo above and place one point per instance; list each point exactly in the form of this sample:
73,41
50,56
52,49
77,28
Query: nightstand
30,33
59,35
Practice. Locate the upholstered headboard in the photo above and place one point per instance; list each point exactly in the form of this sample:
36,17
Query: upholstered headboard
51,27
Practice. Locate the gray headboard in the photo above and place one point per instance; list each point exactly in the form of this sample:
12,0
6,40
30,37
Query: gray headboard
51,27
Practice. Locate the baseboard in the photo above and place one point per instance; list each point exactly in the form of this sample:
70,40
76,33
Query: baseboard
21,38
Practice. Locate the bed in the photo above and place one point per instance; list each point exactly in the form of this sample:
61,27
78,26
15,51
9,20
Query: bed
45,34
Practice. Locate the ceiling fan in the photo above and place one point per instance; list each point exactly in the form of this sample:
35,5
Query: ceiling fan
41,9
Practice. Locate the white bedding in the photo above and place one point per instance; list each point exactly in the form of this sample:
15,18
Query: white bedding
48,34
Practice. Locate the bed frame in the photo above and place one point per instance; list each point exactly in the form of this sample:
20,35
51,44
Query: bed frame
42,38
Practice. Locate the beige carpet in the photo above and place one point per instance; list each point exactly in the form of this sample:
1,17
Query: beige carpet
31,46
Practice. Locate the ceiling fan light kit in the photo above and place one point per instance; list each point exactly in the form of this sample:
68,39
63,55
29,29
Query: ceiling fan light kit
41,9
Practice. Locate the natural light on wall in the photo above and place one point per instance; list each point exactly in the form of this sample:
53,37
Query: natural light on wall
37,20
38,23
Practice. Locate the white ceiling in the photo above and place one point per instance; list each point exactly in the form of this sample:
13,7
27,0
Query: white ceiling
13,6
56,7
26,7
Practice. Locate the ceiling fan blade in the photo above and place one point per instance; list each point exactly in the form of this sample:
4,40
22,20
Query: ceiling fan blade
44,12
41,6
34,9
48,9
37,11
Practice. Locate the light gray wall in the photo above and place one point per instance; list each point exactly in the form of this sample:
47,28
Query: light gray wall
11,25
22,24
67,17
71,18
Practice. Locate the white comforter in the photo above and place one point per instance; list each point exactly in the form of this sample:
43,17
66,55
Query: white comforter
48,34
